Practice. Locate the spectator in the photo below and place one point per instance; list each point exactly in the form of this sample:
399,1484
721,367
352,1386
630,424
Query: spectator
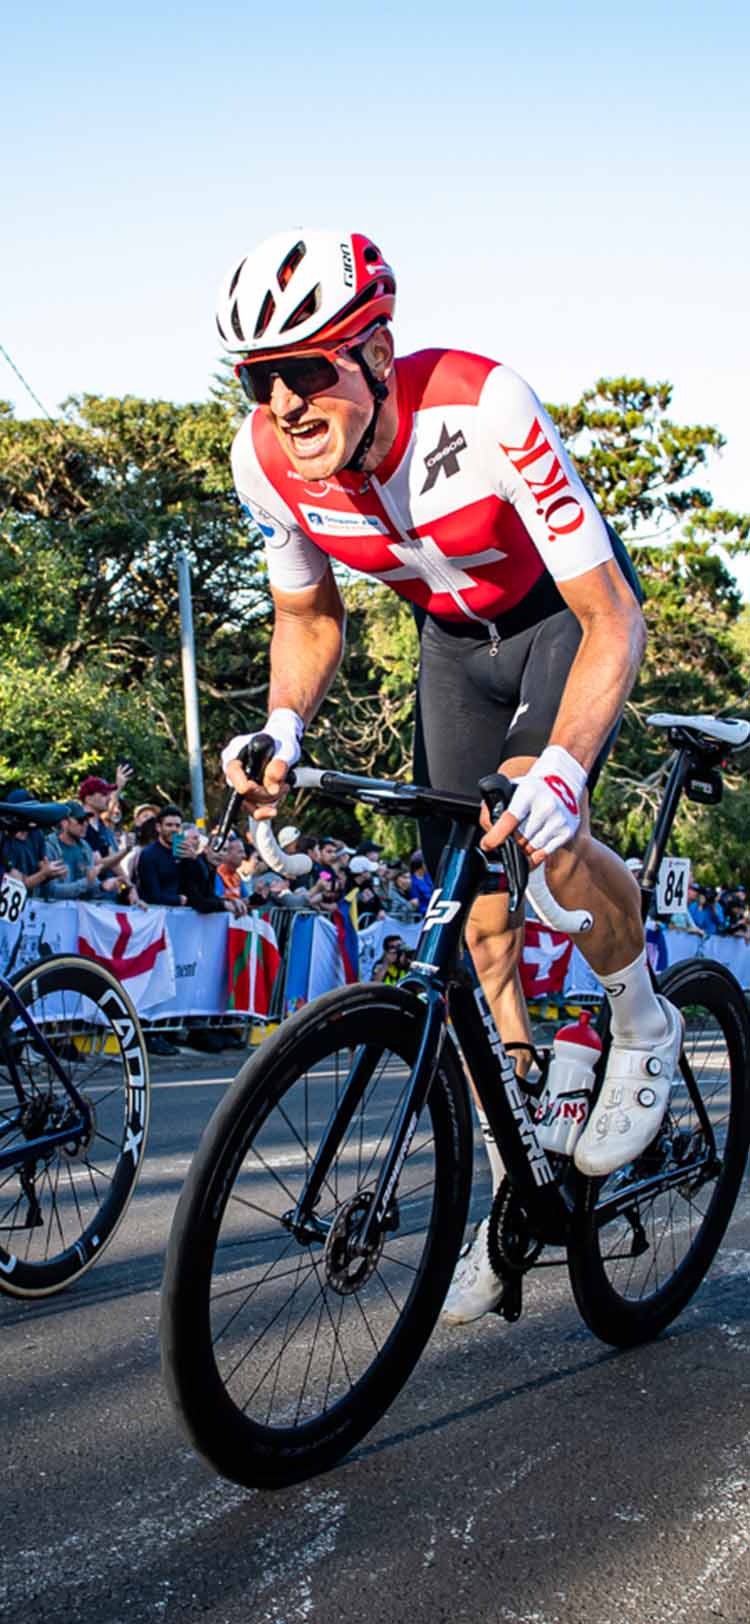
228,881
735,916
23,850
97,796
705,911
196,880
421,886
144,831
399,902
83,866
368,901
288,838
309,845
158,870
329,849
369,849
395,961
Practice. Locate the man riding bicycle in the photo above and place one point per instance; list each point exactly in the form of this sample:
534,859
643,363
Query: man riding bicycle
442,475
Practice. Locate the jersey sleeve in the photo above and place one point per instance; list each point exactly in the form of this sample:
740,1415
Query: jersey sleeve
294,562
530,468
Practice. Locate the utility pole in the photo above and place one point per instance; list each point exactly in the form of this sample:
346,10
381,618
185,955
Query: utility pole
190,690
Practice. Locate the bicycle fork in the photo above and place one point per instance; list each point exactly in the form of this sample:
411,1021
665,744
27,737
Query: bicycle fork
302,1222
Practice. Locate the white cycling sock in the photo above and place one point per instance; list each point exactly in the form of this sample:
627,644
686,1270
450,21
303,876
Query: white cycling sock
493,1155
637,1015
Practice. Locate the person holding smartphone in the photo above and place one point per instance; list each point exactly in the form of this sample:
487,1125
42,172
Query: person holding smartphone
158,867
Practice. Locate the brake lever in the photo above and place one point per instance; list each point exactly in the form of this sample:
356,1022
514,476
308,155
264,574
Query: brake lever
497,791
253,759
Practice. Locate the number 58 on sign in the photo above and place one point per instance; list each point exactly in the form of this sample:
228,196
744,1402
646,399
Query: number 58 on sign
672,885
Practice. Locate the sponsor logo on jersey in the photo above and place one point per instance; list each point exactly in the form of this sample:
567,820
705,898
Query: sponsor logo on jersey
563,792
326,522
557,502
444,459
314,487
273,533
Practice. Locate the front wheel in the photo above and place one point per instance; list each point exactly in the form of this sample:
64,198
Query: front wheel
282,1346
646,1234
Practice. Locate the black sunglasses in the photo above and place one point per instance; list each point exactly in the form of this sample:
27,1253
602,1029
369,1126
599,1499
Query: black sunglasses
304,375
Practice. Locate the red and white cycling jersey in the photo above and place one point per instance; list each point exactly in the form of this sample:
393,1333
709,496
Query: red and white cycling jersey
475,499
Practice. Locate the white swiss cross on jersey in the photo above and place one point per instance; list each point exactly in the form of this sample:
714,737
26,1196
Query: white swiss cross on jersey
475,499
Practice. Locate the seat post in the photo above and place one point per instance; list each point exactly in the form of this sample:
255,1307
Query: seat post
665,817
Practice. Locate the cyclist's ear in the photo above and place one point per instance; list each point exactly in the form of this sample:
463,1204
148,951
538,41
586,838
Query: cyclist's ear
379,353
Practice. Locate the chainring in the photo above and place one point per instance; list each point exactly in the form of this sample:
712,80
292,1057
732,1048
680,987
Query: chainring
511,1245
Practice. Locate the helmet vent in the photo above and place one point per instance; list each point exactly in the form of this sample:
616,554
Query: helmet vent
236,323
371,254
289,265
304,310
266,311
236,277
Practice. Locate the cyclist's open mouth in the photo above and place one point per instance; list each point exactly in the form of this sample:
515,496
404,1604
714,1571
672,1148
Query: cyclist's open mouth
309,439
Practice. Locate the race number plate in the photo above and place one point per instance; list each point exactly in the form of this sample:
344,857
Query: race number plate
12,899
672,885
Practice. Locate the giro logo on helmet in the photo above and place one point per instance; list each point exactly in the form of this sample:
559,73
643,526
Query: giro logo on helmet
348,265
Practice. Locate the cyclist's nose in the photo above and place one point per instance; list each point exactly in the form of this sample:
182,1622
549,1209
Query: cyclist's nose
284,401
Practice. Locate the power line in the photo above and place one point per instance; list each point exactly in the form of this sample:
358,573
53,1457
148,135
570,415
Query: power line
27,386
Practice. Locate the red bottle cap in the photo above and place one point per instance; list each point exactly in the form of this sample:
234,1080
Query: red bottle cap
582,1032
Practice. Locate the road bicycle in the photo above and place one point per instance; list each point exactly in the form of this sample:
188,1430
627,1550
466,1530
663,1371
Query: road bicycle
321,1220
74,1103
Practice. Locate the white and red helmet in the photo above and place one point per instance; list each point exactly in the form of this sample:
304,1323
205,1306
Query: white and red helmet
302,289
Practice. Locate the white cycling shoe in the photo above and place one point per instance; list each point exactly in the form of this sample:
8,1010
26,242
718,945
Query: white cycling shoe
633,1100
475,1289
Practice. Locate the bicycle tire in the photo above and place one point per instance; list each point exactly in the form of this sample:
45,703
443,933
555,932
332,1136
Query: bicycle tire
58,1214
264,1131
620,1294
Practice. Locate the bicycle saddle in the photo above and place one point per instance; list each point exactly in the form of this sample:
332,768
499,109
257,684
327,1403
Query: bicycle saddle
43,813
729,732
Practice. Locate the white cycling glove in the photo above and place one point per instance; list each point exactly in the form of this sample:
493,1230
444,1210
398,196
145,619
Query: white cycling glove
286,729
547,800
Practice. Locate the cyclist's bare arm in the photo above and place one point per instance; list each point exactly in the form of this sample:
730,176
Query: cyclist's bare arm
602,674
606,664
306,649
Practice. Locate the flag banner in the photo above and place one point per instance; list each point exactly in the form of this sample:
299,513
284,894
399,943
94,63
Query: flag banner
545,960
299,960
346,936
134,944
253,960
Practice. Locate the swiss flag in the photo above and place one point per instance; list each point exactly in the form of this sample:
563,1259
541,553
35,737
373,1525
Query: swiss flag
253,960
545,960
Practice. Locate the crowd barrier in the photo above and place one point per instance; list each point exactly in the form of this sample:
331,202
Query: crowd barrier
179,965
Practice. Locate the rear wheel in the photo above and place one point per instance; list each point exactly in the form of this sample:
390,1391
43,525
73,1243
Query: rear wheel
645,1235
59,1210
281,1349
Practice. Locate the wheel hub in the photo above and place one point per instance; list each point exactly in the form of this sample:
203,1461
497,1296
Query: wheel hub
348,1264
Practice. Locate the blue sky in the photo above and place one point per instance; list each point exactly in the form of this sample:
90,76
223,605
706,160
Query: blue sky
564,187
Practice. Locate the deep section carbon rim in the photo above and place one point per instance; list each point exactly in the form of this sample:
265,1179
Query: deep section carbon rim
59,1211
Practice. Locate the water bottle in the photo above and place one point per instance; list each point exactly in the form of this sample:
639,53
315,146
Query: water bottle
564,1106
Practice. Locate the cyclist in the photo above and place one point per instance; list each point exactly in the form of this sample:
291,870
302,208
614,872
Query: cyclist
442,475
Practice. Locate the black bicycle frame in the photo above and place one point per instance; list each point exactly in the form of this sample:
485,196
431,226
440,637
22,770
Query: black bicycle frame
443,988
33,1148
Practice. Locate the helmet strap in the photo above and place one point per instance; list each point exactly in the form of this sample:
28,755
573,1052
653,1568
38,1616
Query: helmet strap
379,392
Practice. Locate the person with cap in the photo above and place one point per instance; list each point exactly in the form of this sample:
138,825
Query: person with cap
421,886
23,851
97,796
83,867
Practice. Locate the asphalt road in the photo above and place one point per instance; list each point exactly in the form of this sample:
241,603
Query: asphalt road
527,1474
